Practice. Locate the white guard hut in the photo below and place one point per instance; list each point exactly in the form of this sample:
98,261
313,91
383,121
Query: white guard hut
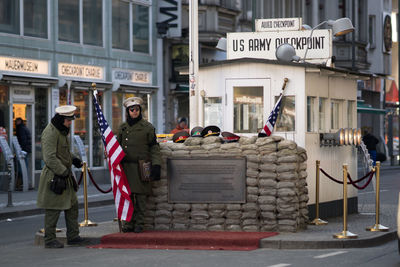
238,95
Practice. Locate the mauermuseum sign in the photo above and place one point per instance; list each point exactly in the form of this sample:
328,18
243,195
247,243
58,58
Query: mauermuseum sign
221,180
263,44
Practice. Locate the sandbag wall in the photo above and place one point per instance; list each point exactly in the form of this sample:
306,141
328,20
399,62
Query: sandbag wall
276,187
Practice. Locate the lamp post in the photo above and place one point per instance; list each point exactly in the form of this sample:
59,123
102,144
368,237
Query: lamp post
340,27
193,64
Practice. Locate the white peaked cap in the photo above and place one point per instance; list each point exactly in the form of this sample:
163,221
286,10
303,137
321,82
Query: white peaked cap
67,110
133,101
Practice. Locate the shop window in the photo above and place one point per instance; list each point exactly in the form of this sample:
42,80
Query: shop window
35,18
9,16
322,114
286,121
213,111
4,121
116,111
81,122
41,108
311,114
124,13
69,21
248,109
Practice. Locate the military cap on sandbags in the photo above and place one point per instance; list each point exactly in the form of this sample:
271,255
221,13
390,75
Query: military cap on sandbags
196,131
211,130
68,111
230,137
133,101
180,137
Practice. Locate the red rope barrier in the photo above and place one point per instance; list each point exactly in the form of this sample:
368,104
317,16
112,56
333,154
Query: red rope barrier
366,184
370,175
80,179
98,188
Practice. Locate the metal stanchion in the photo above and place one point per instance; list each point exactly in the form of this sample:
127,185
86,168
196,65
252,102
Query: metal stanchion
86,222
345,234
9,193
317,220
377,227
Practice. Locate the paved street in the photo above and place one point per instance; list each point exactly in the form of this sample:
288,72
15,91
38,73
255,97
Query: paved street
17,249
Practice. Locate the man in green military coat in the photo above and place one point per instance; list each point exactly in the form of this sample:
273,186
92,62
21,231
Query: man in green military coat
138,140
57,187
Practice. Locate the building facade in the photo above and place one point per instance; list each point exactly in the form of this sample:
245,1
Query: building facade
52,51
368,49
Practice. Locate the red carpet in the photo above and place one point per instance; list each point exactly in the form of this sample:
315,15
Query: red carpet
184,240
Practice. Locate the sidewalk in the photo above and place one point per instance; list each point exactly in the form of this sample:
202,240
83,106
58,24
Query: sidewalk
24,203
314,237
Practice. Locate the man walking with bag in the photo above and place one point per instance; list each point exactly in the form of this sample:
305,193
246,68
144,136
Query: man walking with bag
57,186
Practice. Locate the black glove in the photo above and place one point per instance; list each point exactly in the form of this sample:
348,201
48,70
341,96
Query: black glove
58,184
155,172
77,162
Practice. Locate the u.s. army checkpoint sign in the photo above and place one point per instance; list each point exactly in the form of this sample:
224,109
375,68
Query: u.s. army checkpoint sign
263,44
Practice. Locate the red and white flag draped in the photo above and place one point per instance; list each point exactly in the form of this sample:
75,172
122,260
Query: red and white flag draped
115,154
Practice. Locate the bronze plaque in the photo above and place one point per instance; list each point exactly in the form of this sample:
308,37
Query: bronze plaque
208,180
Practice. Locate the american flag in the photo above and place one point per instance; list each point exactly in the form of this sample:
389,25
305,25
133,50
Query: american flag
269,125
115,154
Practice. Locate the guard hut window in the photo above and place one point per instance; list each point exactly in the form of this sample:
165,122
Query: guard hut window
311,114
248,109
350,114
335,114
322,114
76,28
213,111
286,121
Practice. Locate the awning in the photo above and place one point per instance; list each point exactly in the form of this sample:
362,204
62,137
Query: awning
182,88
366,108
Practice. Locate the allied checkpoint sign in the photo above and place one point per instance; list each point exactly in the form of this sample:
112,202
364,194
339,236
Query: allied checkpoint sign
283,24
263,44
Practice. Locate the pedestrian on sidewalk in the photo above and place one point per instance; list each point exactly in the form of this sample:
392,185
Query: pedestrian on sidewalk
137,138
57,186
370,142
24,140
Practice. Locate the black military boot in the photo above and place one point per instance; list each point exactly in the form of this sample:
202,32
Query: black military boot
138,229
54,244
78,241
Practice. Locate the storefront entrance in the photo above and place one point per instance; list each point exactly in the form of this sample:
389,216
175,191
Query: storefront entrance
22,129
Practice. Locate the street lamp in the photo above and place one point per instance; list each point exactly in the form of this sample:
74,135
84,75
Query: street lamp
340,27
221,44
286,52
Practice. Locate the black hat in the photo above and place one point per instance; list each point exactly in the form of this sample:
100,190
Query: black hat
196,131
180,137
230,137
211,130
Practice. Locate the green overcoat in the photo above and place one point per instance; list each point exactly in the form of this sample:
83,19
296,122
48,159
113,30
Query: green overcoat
58,160
139,143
